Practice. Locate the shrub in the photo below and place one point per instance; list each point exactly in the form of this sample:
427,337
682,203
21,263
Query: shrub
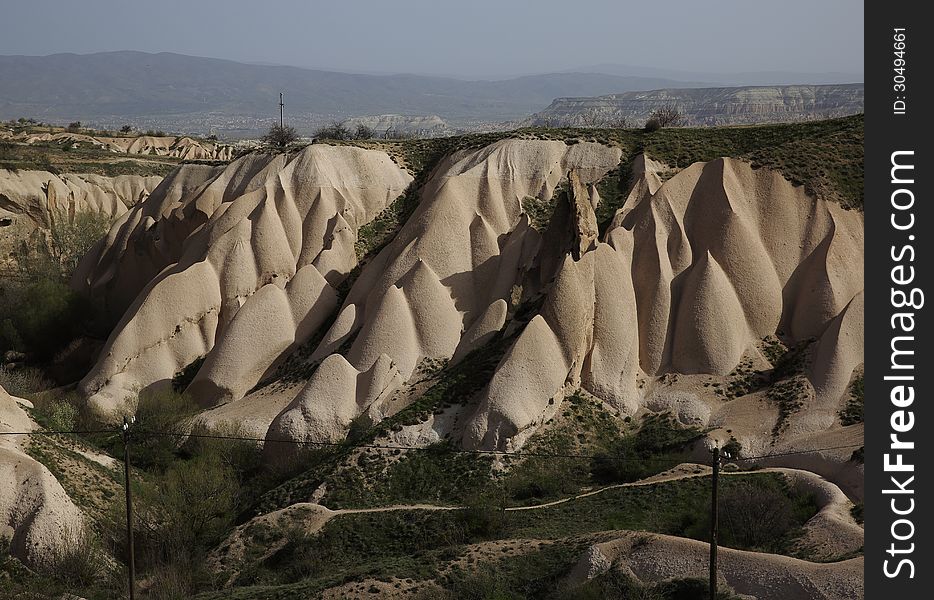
73,126
363,132
73,238
757,516
41,318
852,413
658,445
666,116
23,382
162,411
70,238
126,129
63,411
334,131
199,497
76,559
280,136
483,519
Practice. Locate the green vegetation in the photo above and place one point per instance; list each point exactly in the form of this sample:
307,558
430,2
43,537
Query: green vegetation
789,396
852,413
541,210
435,475
22,381
372,236
40,318
656,446
39,312
416,544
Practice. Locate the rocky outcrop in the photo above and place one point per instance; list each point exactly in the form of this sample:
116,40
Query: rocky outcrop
31,202
400,125
708,106
36,514
450,268
183,147
232,269
688,280
232,265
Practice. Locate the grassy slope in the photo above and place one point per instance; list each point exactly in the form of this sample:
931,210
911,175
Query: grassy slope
413,544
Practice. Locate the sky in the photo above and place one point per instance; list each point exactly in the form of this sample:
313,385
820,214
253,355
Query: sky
475,39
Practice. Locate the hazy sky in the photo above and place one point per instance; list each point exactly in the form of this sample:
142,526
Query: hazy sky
467,38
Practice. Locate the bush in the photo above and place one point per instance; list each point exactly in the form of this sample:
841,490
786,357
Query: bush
69,239
41,317
63,411
74,126
334,131
23,382
363,132
167,413
658,445
759,516
852,413
483,519
76,559
280,136
666,116
126,129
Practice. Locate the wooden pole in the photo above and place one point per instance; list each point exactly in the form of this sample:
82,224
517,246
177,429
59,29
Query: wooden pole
281,122
129,509
714,513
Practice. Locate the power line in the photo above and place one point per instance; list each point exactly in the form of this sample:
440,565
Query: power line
448,450
53,432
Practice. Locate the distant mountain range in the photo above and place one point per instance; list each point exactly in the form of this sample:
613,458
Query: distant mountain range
707,106
206,95
165,89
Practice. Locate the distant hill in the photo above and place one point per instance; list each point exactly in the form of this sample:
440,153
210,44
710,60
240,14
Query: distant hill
708,106
194,94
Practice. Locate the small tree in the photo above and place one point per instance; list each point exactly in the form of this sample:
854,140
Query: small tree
666,116
334,131
74,126
363,132
126,129
280,136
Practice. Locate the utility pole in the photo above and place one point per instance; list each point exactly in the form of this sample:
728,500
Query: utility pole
281,122
129,507
714,513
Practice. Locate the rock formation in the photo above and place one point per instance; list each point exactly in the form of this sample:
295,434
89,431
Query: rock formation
707,106
32,201
239,266
36,514
232,265
183,147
